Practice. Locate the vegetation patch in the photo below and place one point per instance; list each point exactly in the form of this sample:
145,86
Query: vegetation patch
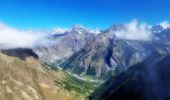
81,87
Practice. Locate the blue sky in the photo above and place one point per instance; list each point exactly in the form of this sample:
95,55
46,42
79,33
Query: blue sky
39,14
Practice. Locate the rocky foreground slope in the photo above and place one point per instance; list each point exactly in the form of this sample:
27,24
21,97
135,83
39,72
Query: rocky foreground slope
24,77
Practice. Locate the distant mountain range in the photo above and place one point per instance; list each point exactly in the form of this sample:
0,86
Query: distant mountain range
102,55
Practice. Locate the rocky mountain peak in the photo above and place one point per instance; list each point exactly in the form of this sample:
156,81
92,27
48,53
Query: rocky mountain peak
78,29
77,26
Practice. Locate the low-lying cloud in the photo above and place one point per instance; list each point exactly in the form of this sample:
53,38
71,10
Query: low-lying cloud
13,38
135,31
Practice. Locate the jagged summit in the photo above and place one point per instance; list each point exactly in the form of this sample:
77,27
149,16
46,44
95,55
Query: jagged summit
78,29
78,26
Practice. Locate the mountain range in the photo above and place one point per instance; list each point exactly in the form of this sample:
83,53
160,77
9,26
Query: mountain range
86,64
104,54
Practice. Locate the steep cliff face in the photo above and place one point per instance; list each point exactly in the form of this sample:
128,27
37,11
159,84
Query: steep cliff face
88,59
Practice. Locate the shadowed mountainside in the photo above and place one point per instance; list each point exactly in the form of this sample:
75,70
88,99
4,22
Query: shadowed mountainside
148,80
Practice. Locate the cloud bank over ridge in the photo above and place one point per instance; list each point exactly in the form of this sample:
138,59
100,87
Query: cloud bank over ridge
135,31
14,38
11,38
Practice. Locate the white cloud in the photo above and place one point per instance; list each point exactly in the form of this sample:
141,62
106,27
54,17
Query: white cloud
165,24
14,38
135,31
